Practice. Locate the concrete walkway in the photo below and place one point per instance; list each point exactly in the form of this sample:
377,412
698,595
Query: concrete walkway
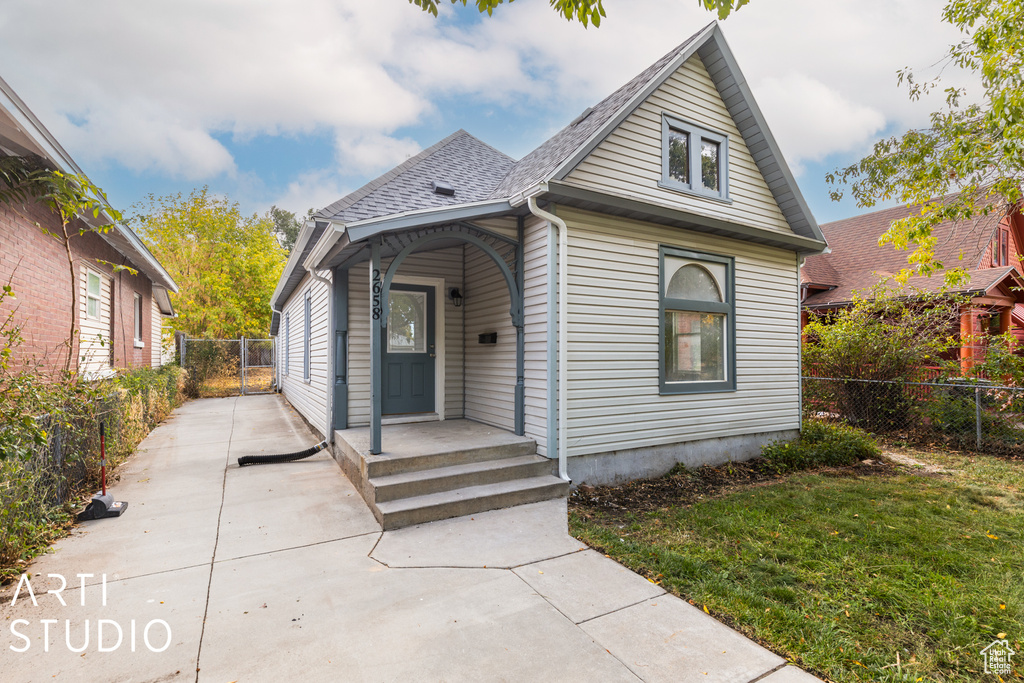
280,573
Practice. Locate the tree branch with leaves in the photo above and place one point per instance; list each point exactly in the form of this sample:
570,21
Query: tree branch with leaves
969,162
586,12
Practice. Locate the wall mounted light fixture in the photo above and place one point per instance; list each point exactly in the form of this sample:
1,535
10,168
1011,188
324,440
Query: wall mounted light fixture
456,296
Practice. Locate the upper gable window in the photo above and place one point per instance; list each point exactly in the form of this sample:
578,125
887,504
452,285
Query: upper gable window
694,159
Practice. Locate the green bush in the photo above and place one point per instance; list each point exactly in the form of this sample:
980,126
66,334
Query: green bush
49,432
821,445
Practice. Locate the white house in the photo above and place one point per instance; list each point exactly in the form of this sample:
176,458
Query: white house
623,298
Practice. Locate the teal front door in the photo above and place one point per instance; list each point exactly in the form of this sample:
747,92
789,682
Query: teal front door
409,351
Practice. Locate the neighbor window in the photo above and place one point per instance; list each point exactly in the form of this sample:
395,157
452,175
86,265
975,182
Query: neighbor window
694,159
307,326
1001,252
93,288
287,341
138,320
697,322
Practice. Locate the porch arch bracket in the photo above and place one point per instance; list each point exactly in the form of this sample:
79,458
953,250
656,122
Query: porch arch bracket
485,240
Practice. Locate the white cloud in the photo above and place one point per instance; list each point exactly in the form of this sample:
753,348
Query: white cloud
811,120
150,85
311,190
364,154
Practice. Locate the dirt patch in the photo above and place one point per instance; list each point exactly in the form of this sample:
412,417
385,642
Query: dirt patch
907,461
686,487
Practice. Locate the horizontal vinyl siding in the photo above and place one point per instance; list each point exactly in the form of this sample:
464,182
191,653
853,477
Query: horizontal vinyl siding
490,368
309,399
613,340
94,335
628,161
535,252
446,264
155,339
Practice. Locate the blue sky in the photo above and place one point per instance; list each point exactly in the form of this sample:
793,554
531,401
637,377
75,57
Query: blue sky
298,102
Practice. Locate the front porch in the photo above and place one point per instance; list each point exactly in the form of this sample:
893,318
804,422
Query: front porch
436,470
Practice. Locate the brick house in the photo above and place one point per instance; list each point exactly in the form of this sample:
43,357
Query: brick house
988,247
119,312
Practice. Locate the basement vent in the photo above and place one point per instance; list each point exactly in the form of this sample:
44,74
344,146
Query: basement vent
442,187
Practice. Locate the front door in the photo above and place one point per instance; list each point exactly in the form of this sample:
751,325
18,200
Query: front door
409,351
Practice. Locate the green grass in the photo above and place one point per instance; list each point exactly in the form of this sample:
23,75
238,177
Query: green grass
842,573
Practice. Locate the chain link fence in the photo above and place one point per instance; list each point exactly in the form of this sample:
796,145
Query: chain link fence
38,488
227,367
974,415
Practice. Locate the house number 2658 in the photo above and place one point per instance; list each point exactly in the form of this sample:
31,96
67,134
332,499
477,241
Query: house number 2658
378,287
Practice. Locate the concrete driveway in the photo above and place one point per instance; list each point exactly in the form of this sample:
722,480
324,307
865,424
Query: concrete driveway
280,573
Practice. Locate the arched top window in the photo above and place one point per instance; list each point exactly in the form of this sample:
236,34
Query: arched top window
694,282
698,352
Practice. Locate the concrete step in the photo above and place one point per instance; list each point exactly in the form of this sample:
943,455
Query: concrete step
395,514
423,482
383,465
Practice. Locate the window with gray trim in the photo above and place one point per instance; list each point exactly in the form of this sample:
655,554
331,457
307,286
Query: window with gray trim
137,313
697,345
694,159
307,326
287,341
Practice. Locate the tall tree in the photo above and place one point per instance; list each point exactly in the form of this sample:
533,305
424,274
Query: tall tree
584,11
286,227
969,161
226,264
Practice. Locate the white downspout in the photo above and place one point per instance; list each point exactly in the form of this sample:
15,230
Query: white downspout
329,380
563,331
277,356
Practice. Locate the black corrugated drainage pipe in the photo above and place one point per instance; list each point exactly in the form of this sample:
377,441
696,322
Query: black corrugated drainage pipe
280,457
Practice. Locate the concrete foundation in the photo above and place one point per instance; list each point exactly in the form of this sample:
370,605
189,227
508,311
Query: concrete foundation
617,467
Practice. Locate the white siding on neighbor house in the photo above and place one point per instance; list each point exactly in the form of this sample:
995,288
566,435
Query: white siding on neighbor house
94,335
155,340
614,400
536,309
308,398
490,368
628,161
443,263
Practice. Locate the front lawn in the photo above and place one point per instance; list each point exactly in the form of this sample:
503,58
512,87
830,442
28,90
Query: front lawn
859,573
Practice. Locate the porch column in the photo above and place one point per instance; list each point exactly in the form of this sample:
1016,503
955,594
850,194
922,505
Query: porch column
376,311
520,392
967,340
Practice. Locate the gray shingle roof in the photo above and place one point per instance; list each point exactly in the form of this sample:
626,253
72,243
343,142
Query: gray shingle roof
539,165
471,166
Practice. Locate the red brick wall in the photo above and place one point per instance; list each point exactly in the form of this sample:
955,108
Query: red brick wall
37,267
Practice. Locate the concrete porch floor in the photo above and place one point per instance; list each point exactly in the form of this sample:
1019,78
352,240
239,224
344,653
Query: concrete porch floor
280,572
417,439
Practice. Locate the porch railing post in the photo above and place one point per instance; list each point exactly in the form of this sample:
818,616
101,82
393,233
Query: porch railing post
376,313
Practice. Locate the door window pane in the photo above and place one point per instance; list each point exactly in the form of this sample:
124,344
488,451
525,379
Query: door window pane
694,346
407,322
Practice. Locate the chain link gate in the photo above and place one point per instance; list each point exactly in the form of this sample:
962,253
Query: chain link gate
227,367
257,366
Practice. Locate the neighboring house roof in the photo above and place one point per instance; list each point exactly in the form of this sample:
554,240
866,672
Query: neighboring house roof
487,182
856,261
21,134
